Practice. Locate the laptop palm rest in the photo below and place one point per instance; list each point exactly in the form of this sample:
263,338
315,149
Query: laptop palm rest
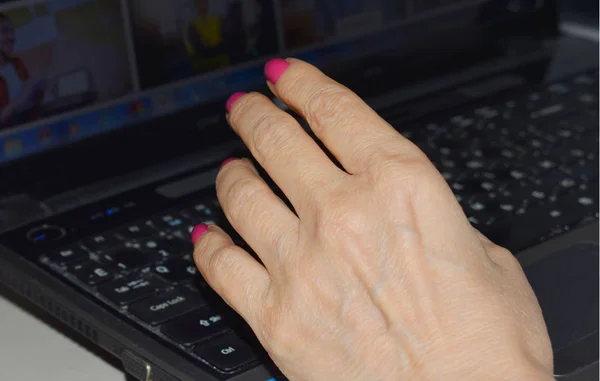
566,284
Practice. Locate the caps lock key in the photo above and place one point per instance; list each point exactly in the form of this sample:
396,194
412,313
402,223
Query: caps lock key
166,306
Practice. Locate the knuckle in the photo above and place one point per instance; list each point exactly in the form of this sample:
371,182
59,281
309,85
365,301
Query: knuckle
384,156
487,244
328,105
343,216
351,224
407,174
384,166
295,80
218,262
506,259
414,162
241,196
269,134
203,255
245,106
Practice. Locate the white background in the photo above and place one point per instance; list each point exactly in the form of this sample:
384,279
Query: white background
30,350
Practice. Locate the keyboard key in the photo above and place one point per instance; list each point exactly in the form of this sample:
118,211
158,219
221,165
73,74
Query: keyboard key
547,164
135,231
588,99
200,212
68,255
128,290
91,273
176,270
102,242
582,123
584,80
550,111
583,170
477,207
171,221
587,198
164,307
502,209
589,144
167,247
227,353
559,88
195,327
564,153
556,179
127,258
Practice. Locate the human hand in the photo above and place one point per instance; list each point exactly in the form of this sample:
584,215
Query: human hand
380,276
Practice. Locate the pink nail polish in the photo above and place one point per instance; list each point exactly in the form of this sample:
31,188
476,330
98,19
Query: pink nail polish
227,161
198,232
275,68
232,99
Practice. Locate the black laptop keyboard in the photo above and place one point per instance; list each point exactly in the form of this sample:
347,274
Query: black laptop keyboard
145,271
524,169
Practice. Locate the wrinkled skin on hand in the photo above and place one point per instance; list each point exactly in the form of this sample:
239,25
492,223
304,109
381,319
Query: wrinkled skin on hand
379,276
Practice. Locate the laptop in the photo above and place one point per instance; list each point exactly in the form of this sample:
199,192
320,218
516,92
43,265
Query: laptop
97,196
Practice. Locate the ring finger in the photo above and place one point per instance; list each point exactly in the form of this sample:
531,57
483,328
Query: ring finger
255,212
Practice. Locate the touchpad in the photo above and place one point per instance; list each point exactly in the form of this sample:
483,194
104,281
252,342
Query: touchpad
566,284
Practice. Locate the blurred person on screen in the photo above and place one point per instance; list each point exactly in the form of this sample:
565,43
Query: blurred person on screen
20,96
204,39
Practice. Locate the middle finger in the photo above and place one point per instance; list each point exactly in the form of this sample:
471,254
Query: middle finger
280,145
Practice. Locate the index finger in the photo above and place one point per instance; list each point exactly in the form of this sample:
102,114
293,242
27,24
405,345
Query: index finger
348,127
238,278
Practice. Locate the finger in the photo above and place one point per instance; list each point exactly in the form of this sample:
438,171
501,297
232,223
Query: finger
280,145
350,129
256,213
237,277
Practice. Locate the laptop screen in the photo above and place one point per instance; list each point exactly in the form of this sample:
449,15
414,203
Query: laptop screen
73,69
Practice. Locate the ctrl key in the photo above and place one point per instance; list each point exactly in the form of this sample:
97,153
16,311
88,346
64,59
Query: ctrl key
226,353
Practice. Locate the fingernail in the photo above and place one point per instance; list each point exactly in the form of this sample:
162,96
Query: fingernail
228,161
198,232
275,68
232,99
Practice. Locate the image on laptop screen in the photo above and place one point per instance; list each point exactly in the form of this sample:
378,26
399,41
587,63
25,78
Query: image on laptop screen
60,56
310,22
72,69
179,39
